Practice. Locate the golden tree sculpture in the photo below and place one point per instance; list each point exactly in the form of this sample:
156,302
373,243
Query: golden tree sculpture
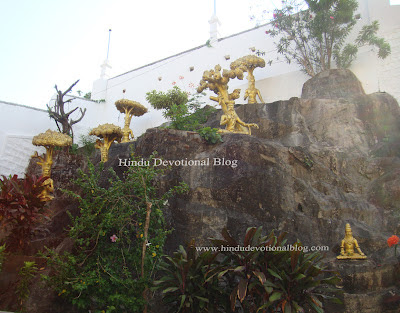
129,108
109,133
218,83
49,140
248,64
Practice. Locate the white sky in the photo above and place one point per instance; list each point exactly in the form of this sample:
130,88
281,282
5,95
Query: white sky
48,42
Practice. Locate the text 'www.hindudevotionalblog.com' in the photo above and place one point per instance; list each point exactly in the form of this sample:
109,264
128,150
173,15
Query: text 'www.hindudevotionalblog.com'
262,248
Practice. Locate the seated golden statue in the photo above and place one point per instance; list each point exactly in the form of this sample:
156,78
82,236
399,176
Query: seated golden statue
233,123
348,245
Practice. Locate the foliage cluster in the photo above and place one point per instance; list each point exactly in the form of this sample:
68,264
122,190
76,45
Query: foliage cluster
2,255
118,244
224,280
210,135
26,274
184,113
21,208
87,143
315,36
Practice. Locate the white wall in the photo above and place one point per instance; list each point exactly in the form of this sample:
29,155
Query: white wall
19,124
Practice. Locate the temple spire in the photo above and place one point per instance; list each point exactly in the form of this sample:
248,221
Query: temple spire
214,22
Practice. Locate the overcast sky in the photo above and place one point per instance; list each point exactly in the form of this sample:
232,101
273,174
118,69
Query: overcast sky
48,42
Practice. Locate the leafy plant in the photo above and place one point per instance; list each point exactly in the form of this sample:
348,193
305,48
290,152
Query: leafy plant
262,275
118,244
87,143
314,36
26,274
211,135
21,208
184,113
278,278
184,283
73,149
2,255
165,100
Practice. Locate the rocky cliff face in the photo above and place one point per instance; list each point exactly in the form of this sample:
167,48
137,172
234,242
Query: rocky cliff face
315,164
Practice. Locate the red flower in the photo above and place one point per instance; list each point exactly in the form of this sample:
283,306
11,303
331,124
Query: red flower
393,241
181,77
274,15
331,17
173,83
276,24
267,31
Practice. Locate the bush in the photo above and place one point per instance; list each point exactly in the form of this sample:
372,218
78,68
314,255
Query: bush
274,280
118,244
87,143
21,208
184,284
211,135
2,256
184,113
26,274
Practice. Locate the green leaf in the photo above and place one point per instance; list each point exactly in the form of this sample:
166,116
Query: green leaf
183,298
170,289
274,274
202,299
275,296
239,269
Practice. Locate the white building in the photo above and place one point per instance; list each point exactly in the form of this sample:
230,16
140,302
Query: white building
276,82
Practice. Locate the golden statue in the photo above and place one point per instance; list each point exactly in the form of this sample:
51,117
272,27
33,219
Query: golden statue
233,123
49,140
218,83
349,244
129,108
248,64
109,133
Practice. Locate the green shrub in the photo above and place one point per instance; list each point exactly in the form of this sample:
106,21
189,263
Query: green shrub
184,113
107,269
73,149
26,274
211,135
2,255
21,208
87,143
273,280
184,285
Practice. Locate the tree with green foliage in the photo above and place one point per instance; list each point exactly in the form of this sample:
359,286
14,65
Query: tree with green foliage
184,113
314,37
176,107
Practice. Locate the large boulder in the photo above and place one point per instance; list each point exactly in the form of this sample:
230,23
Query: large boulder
332,84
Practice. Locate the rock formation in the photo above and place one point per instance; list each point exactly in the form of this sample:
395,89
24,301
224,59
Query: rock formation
316,163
